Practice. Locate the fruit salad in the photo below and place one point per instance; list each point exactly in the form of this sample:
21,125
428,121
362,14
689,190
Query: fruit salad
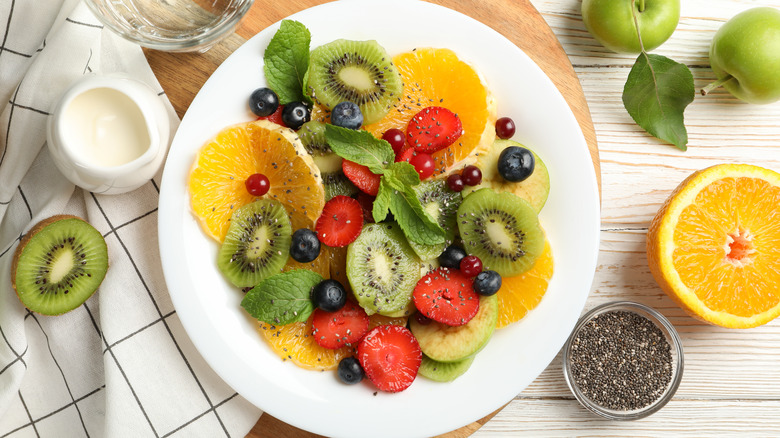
375,212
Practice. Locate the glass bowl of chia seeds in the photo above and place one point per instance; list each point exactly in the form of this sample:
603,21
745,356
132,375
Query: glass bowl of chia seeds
623,360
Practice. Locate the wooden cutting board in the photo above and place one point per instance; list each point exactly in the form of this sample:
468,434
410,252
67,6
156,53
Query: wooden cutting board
182,75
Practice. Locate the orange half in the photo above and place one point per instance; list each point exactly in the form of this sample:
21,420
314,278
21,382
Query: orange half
714,245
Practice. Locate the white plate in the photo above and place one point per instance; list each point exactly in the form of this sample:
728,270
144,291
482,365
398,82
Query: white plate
209,307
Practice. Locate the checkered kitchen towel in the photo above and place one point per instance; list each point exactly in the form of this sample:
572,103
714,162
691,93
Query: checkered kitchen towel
121,365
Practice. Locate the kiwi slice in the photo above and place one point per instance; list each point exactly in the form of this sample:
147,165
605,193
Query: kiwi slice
535,189
357,71
312,135
442,204
382,269
501,229
257,244
444,343
59,264
444,371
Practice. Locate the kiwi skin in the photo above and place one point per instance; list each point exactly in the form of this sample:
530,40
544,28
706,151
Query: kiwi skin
20,250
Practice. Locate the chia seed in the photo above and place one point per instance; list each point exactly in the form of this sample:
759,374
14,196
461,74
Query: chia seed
621,361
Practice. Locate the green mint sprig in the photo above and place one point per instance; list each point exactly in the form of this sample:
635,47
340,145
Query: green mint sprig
656,93
282,298
395,189
286,62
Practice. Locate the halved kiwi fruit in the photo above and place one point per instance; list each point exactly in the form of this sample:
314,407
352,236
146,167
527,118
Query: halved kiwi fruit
382,269
356,71
257,244
501,229
59,264
442,204
312,135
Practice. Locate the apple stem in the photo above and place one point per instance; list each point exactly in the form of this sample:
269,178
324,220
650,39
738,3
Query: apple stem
716,84
641,5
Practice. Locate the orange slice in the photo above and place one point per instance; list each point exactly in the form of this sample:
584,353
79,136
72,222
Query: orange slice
294,342
714,245
437,77
222,165
521,294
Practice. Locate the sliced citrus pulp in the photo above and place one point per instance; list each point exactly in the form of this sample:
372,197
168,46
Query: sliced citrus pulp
521,294
295,342
222,165
436,77
714,245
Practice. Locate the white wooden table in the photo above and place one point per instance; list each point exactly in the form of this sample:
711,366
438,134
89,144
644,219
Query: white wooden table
731,383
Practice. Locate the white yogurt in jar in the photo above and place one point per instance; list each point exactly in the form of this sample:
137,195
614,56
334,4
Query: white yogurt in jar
105,127
109,134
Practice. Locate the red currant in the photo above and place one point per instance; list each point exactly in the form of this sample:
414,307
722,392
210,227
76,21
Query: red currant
257,184
505,127
455,182
423,164
471,175
471,265
396,139
422,319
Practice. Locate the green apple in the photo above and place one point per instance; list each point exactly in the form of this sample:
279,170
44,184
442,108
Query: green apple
745,56
611,22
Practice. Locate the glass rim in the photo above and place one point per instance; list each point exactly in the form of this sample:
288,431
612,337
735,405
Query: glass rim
203,41
677,356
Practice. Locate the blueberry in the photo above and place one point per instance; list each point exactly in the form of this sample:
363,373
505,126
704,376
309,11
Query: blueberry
263,102
295,114
329,295
350,371
346,115
516,164
487,282
305,246
452,256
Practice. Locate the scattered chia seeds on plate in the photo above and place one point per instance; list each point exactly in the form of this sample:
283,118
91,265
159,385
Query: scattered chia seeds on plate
621,361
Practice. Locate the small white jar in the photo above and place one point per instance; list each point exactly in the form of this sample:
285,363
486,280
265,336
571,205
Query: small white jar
108,134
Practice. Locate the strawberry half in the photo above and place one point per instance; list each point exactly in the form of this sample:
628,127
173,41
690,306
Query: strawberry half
390,356
447,296
432,129
341,328
340,222
275,117
406,154
361,177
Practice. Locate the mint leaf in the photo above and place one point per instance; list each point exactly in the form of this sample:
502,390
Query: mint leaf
282,298
361,147
655,95
286,61
414,221
382,201
402,175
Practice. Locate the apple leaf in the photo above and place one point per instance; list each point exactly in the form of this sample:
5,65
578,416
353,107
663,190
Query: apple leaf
656,94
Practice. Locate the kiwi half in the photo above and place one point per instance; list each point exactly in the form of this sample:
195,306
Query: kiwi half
356,71
442,204
59,264
312,135
257,244
501,229
382,269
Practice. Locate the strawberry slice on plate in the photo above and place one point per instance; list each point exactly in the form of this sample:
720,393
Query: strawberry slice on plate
361,177
340,222
432,129
447,296
343,327
390,356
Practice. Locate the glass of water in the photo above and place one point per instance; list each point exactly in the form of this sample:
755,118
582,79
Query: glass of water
171,25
